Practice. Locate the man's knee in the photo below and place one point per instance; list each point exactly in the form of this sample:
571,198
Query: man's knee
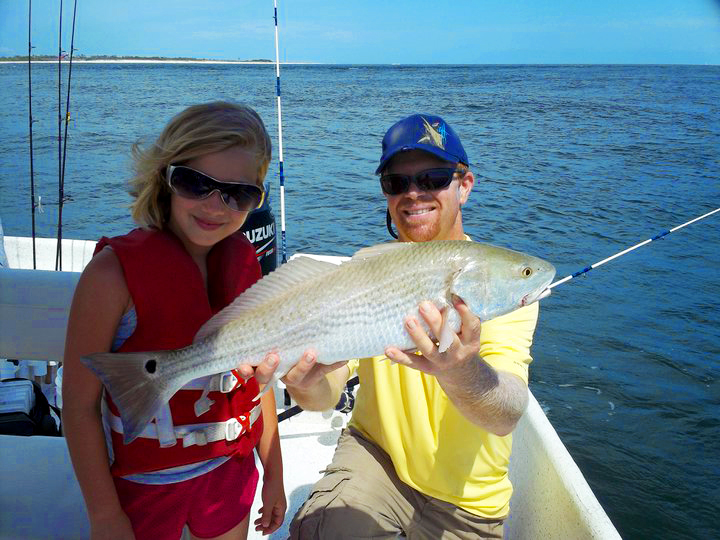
308,521
333,511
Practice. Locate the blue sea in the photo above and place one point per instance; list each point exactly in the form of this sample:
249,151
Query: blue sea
573,164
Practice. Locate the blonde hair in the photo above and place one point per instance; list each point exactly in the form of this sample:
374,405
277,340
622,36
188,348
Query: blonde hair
196,131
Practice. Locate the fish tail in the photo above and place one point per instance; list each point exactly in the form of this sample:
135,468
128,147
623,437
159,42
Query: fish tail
136,383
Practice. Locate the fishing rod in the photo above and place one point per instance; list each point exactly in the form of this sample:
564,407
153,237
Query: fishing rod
60,51
61,199
30,122
658,236
346,402
283,248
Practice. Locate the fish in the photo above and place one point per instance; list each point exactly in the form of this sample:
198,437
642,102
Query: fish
351,310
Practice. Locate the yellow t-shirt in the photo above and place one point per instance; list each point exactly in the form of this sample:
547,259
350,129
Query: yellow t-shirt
434,448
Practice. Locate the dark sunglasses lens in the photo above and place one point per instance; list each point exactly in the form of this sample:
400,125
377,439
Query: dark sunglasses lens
195,185
242,197
430,180
190,184
394,184
433,180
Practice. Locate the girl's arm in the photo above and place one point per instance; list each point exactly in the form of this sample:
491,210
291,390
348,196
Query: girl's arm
100,299
274,505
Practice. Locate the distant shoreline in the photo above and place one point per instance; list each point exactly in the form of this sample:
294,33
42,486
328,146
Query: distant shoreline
92,59
149,61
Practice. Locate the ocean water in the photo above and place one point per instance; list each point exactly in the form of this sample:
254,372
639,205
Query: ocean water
573,164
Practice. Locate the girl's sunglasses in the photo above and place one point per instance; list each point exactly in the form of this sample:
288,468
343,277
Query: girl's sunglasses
192,184
427,180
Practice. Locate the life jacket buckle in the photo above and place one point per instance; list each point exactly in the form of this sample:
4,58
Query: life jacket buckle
198,437
230,380
236,427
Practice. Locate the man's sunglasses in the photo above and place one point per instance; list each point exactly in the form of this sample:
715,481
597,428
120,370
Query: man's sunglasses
192,184
427,180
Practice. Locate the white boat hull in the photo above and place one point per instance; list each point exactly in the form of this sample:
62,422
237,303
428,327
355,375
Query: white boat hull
40,497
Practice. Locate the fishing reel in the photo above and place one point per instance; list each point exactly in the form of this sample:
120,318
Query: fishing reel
347,398
346,402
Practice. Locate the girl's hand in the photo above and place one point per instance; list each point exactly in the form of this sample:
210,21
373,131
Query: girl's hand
263,373
272,512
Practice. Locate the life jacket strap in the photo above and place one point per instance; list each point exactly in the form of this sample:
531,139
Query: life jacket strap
223,382
200,434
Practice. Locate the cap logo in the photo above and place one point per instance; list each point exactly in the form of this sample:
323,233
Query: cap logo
435,134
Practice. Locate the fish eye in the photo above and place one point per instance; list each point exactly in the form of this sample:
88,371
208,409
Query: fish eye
527,271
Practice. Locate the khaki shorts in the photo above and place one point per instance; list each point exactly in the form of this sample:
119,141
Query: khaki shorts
360,496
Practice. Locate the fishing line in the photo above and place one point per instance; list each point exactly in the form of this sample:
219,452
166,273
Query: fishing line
61,200
30,122
283,248
628,250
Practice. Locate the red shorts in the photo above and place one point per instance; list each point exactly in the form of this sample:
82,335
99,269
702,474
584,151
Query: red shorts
210,504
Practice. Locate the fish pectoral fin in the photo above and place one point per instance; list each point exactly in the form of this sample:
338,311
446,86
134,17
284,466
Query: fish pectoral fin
447,335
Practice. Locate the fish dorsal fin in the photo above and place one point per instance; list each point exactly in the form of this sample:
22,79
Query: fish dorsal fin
285,277
379,249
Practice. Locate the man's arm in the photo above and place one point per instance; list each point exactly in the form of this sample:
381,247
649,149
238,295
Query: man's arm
490,398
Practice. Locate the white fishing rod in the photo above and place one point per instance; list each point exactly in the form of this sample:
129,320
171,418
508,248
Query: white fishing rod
283,247
625,251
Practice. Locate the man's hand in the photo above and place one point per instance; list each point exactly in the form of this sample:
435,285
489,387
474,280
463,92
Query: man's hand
307,373
314,386
491,399
464,346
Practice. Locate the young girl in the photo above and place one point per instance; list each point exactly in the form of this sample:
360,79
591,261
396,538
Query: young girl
152,289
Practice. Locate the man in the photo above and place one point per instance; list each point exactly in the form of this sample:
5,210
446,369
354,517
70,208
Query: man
427,447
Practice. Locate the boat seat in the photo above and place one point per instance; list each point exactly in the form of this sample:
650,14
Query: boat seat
34,303
40,497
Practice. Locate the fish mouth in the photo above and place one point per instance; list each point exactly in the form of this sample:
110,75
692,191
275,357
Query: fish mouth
532,298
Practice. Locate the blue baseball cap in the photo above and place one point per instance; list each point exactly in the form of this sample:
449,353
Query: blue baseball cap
422,132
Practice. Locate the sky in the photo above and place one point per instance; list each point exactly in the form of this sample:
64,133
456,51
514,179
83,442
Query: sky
377,31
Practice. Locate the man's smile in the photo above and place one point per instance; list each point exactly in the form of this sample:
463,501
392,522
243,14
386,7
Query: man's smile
418,212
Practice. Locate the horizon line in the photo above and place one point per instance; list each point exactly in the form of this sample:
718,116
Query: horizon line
170,60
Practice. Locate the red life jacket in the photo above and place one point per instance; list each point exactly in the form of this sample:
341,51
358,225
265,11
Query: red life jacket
172,304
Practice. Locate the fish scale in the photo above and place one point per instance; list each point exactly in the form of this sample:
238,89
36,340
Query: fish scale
354,330
352,310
